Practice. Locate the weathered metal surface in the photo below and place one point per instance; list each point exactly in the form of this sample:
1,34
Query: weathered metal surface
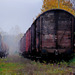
28,41
38,35
57,31
33,37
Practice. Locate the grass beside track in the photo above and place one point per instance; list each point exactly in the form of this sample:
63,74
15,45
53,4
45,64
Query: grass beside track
17,65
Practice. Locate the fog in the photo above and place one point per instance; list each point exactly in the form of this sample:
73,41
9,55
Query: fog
18,12
12,40
16,16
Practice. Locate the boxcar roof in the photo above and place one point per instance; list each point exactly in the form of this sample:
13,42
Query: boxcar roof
47,12
53,10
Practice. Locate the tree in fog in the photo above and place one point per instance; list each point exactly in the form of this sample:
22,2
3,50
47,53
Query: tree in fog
15,30
13,39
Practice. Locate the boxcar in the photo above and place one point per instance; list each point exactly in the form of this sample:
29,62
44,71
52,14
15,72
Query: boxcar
51,33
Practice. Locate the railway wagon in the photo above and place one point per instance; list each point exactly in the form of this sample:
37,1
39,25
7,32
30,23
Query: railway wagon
3,48
52,33
25,43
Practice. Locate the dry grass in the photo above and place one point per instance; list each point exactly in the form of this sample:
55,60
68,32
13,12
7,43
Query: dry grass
16,65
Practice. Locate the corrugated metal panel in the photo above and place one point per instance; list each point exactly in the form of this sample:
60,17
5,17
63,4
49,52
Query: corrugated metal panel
33,37
28,41
57,30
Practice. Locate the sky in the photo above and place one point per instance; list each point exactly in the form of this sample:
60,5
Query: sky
18,14
73,1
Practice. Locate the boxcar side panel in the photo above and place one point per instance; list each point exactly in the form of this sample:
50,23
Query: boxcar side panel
48,31
28,41
33,38
38,40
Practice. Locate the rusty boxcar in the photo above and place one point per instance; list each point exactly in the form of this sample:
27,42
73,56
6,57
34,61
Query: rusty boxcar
51,33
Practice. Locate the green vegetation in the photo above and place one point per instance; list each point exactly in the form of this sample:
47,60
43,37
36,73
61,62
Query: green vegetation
17,65
72,62
9,68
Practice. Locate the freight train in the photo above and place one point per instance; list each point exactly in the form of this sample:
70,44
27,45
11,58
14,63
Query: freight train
52,33
3,48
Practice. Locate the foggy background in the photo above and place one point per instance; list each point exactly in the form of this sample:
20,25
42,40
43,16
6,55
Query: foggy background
16,16
18,13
